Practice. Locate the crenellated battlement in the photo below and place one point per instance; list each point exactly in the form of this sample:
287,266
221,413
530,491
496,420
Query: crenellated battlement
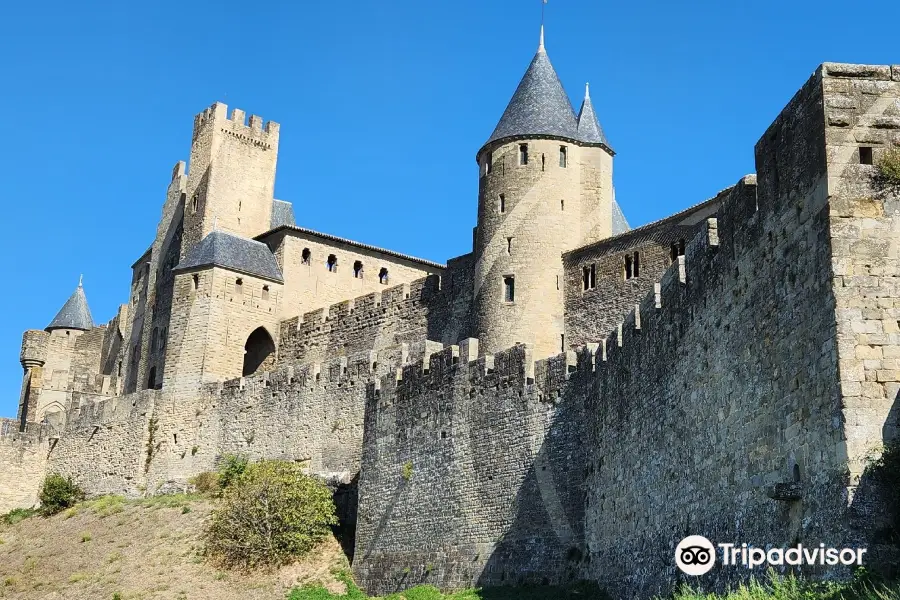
256,133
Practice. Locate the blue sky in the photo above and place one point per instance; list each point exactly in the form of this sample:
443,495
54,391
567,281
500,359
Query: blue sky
382,108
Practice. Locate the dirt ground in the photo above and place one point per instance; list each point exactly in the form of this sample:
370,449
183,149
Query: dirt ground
138,550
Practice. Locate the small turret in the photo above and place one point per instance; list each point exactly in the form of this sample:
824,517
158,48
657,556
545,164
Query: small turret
75,313
34,348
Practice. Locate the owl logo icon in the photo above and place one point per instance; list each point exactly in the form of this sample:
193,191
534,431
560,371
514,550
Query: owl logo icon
695,555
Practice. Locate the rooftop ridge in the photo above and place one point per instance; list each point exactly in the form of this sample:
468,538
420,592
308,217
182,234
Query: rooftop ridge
334,238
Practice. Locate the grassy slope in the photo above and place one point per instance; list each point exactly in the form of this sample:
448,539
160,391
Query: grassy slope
144,549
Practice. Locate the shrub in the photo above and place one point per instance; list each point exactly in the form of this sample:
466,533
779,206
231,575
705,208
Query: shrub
887,469
889,166
18,514
271,514
59,493
232,468
407,470
207,483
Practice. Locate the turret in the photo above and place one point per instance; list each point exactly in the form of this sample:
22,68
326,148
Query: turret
545,188
75,313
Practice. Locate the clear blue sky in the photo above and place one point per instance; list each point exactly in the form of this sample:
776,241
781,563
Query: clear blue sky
382,107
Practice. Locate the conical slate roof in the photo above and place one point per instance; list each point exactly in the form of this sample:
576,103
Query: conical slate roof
589,130
619,224
75,313
222,249
540,105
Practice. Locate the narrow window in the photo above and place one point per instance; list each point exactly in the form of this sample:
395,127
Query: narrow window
383,275
239,286
589,277
358,269
543,161
488,163
265,292
637,264
502,203
628,272
509,245
306,256
509,288
194,201
151,380
523,154
563,156
677,250
562,205
154,339
562,342
557,283
119,369
196,279
865,155
331,265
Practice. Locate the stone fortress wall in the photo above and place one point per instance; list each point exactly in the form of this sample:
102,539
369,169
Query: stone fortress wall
760,360
739,399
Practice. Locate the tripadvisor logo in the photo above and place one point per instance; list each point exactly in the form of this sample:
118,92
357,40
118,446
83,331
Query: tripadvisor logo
696,555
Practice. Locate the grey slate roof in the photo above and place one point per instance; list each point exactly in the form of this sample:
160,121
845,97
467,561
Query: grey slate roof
540,105
589,130
282,214
619,224
75,313
222,249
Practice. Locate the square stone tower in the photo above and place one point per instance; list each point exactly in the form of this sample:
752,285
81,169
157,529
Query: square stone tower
231,178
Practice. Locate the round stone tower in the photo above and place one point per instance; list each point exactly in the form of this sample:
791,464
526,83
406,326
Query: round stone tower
34,348
545,188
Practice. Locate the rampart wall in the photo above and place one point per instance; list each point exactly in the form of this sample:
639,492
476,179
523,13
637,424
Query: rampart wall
434,308
472,472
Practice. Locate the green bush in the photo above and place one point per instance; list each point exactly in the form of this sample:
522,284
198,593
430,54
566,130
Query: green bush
887,470
207,483
889,166
271,514
59,493
18,514
232,468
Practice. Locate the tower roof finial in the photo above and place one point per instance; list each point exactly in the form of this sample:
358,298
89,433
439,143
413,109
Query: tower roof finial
541,44
587,91
80,280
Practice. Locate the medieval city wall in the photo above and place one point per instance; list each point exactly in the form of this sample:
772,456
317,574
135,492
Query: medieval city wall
597,289
23,455
472,473
436,307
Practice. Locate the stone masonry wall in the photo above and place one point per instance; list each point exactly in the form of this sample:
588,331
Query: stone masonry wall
595,308
23,456
435,308
461,483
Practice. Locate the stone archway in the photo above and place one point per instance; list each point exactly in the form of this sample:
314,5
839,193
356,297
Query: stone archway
259,351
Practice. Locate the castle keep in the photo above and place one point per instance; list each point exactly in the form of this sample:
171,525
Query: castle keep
568,400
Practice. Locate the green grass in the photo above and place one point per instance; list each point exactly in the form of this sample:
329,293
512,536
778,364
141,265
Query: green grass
777,587
773,587
427,592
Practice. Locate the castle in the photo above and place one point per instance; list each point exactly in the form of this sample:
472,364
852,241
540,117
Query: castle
568,400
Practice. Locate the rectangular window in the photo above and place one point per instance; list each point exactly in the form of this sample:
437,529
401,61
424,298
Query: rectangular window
637,264
628,267
509,288
523,154
865,156
509,245
488,163
563,156
589,277
502,203
265,292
